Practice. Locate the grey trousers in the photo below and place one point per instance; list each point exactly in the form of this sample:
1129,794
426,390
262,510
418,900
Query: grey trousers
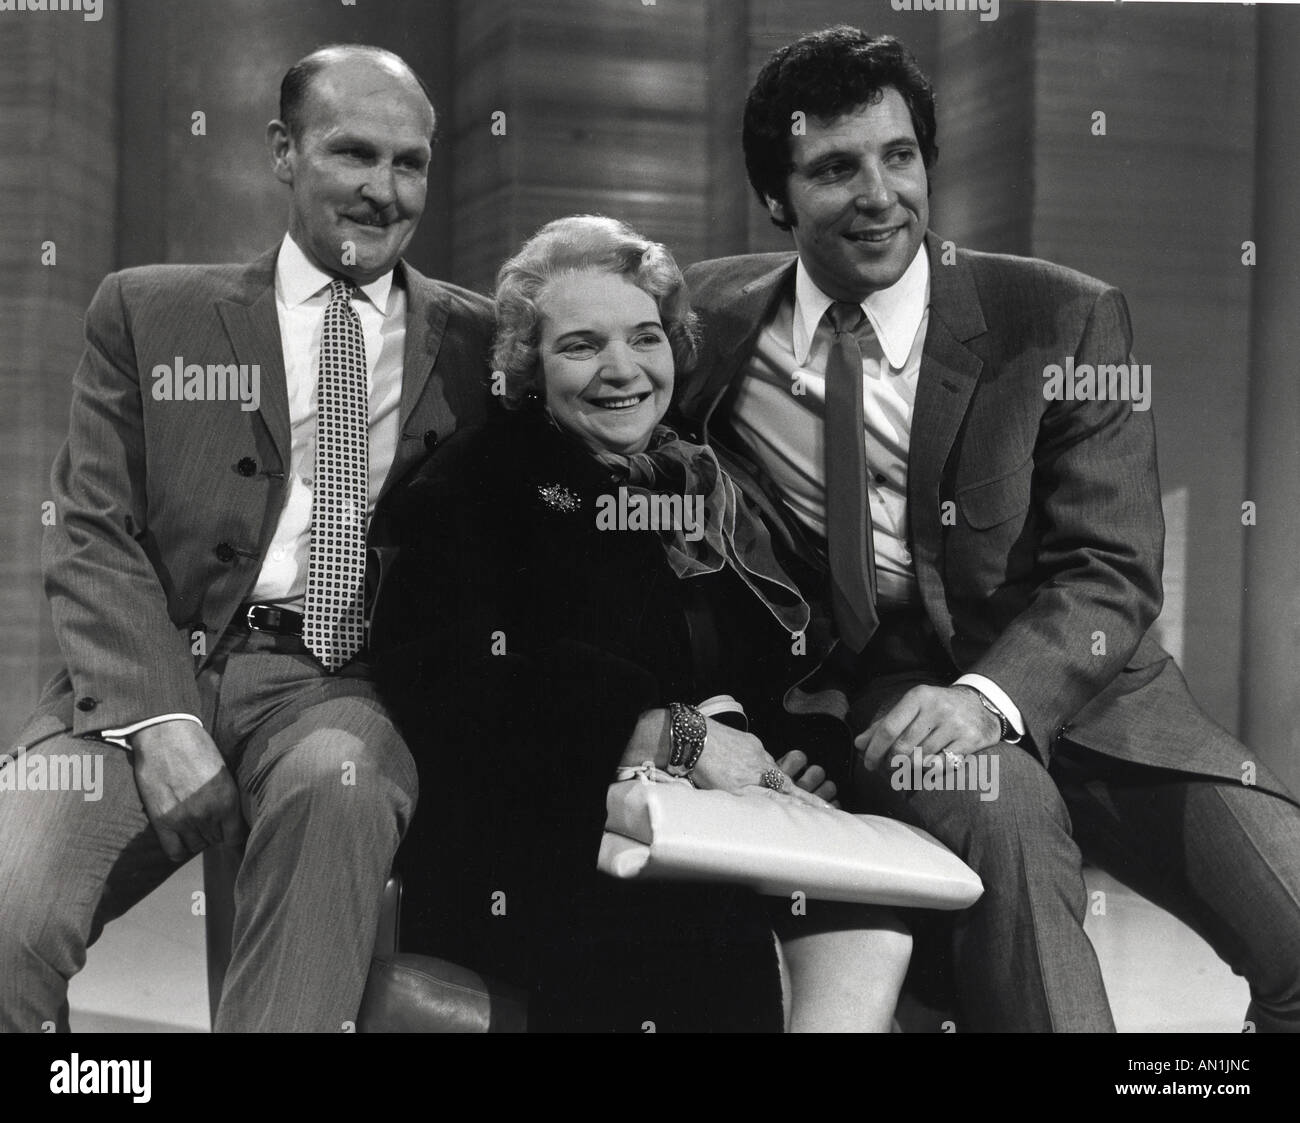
328,789
1223,858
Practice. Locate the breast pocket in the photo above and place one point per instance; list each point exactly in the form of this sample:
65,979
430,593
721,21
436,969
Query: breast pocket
993,502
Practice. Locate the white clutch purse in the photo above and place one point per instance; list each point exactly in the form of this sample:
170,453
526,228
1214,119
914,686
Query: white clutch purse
659,827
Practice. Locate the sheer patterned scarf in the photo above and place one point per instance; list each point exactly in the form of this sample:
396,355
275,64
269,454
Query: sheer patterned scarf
733,535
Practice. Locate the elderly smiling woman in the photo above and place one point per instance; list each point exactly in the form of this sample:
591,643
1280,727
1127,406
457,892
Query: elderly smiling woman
570,574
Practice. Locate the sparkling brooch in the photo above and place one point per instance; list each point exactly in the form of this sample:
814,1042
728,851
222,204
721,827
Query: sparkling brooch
559,498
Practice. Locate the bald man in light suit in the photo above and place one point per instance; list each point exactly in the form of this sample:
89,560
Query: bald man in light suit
178,570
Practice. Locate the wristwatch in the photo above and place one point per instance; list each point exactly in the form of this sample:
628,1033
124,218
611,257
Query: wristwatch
1004,727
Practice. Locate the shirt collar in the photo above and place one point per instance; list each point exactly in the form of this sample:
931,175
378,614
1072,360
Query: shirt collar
298,278
895,313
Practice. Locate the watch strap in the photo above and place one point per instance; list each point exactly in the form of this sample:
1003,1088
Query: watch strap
1004,726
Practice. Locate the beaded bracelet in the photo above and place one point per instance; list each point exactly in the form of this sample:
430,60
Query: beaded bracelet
687,731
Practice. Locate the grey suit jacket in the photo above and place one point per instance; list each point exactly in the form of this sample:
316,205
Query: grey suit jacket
1035,525
165,509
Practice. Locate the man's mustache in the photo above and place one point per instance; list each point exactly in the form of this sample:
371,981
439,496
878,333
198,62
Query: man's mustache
371,217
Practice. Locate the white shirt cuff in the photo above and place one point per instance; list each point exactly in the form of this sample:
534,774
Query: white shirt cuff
995,694
119,736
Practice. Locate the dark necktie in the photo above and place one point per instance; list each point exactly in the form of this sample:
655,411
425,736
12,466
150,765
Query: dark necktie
848,510
333,611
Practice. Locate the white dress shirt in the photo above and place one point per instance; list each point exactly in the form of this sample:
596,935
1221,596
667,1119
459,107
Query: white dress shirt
301,296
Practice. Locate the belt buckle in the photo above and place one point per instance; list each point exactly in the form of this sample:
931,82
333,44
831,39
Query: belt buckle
248,617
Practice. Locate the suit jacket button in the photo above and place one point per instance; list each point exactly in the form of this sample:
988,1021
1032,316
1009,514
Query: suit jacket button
431,440
247,466
85,705
225,552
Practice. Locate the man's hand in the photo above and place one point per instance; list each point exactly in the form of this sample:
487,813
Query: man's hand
190,797
935,719
810,777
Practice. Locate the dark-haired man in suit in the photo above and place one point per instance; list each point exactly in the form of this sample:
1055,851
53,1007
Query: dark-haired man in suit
208,570
991,555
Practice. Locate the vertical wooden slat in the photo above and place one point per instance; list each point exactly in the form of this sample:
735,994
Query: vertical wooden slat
58,163
1159,206
983,183
729,197
1271,649
605,110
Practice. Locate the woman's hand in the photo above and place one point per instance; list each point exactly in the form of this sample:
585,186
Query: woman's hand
731,760
734,760
809,777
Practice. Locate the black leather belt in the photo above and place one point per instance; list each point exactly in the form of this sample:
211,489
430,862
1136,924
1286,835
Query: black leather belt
267,618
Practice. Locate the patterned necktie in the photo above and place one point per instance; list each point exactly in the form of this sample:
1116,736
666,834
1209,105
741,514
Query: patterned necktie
848,509
333,623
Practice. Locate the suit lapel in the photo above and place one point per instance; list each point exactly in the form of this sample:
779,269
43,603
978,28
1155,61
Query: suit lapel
253,327
426,324
426,321
731,333
947,379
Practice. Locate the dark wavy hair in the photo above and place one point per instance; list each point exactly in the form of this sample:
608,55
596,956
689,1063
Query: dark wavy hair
297,80
825,75
571,245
